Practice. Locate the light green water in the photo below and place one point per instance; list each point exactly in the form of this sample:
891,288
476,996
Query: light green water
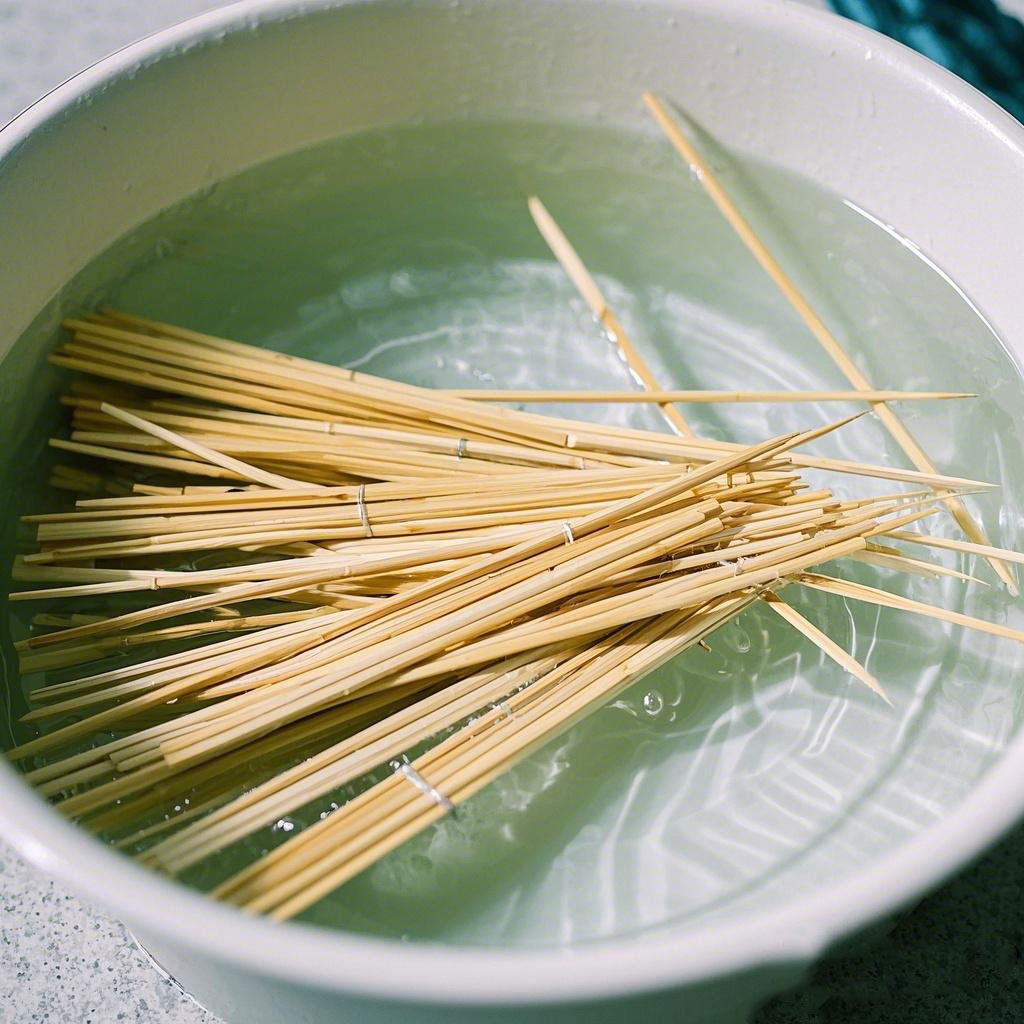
730,777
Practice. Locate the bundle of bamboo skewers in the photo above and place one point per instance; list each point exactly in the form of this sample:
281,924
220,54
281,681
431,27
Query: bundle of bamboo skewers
325,571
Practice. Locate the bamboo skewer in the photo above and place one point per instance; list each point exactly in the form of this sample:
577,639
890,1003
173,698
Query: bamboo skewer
711,184
592,295
890,558
614,438
200,451
860,592
947,544
660,397
824,642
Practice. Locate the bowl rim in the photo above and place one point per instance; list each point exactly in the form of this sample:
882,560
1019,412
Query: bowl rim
670,955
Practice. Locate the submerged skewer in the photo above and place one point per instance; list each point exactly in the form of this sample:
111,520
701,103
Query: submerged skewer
592,295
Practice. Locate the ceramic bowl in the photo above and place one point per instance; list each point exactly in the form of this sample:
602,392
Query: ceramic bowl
800,89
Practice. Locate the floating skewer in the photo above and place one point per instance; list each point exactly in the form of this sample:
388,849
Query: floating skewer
661,397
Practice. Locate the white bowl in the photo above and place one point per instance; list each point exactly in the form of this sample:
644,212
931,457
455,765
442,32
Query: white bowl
255,80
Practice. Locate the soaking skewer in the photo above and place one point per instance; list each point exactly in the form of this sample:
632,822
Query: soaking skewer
712,185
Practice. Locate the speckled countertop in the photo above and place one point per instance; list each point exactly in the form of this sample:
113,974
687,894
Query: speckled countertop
958,957
64,962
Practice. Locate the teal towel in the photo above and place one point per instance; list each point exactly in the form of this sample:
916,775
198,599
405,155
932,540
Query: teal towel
973,38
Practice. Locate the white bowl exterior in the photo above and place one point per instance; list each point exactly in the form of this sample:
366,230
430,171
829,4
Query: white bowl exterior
856,113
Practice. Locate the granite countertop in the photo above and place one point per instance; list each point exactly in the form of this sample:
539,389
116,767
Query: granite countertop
62,961
958,956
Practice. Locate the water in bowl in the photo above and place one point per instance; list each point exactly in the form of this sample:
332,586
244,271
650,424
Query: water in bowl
729,778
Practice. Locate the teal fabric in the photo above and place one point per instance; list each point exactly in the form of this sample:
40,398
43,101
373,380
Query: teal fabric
973,38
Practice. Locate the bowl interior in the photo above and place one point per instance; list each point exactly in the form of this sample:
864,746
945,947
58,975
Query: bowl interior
730,779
